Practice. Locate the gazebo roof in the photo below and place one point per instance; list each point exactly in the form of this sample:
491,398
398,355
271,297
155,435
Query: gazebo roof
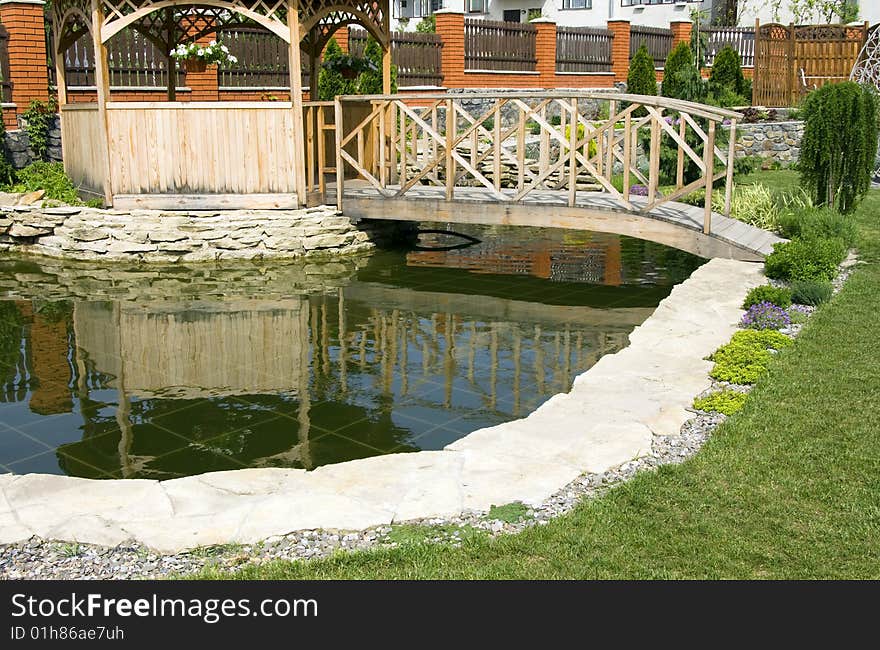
318,19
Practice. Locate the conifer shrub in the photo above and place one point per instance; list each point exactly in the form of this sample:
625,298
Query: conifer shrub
681,79
839,144
727,72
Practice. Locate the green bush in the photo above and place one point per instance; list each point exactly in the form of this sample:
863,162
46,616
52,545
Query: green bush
427,25
805,259
727,72
746,165
727,402
811,292
779,296
331,82
641,78
49,177
591,148
746,357
839,144
681,79
817,223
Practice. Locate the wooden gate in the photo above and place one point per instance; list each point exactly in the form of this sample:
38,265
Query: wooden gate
792,60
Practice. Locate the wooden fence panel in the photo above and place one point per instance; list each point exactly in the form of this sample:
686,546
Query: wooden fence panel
202,148
417,56
658,39
792,60
495,45
741,39
133,61
83,136
583,49
263,60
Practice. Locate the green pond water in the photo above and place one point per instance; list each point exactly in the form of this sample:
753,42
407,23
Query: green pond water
163,371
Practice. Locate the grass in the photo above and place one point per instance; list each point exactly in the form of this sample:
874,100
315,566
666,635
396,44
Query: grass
787,488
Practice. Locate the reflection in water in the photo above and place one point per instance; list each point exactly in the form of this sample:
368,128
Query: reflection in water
410,351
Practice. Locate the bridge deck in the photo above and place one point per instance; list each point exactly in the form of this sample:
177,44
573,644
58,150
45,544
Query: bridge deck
675,224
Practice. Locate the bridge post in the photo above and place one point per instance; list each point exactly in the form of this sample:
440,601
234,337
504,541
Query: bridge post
708,161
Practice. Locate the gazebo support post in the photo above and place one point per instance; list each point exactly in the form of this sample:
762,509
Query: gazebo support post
170,62
314,65
102,85
296,103
386,53
60,81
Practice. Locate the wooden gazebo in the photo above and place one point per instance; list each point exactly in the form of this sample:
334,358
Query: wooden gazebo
198,154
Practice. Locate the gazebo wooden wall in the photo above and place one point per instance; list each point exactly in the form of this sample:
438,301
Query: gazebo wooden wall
169,155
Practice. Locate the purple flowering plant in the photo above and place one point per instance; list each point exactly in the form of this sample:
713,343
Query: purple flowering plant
638,190
765,316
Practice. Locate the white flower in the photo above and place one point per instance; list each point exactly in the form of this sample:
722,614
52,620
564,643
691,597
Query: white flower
232,59
225,49
212,43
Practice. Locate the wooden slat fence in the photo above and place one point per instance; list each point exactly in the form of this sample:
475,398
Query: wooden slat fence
262,60
658,40
741,39
496,45
792,60
583,49
5,84
133,61
417,56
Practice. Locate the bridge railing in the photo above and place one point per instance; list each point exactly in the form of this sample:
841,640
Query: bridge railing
514,145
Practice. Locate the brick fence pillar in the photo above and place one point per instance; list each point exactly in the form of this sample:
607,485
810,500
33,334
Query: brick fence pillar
681,32
545,51
619,49
28,71
450,27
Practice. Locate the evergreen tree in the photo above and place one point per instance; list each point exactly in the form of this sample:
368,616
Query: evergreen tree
727,72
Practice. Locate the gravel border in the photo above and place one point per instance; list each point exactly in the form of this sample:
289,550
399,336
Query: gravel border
39,559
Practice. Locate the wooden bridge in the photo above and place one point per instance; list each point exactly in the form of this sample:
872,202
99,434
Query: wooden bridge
607,162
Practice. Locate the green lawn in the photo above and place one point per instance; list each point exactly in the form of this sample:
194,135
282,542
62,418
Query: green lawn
788,488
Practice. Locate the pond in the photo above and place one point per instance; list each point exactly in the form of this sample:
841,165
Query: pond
132,371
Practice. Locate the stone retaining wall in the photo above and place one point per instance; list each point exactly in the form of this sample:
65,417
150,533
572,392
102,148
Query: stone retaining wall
772,140
18,145
165,236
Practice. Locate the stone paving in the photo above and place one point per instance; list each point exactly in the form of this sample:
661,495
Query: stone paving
613,414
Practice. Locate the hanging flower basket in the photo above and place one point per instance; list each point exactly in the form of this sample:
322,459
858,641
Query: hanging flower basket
196,58
349,65
195,65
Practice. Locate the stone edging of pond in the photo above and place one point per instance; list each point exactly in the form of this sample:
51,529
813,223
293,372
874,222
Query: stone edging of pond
616,412
93,234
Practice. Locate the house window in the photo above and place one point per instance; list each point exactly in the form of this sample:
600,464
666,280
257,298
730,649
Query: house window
577,4
477,6
416,8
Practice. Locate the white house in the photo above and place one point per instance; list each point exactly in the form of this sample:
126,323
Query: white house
770,11
596,13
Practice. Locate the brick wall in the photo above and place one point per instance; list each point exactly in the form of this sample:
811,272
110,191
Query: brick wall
27,56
